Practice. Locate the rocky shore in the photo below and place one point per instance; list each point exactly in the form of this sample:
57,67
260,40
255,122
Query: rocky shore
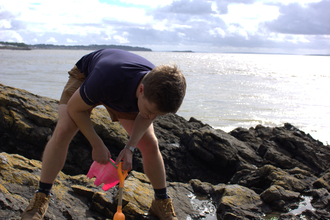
256,173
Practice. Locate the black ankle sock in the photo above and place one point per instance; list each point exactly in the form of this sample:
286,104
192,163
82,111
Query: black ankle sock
161,193
45,188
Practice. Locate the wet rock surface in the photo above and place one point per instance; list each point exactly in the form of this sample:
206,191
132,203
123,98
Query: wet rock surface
245,174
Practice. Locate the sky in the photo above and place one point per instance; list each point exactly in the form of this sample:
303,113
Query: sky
267,26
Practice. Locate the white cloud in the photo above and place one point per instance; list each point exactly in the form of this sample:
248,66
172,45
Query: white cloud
71,41
120,39
235,30
11,36
51,40
5,24
217,32
250,16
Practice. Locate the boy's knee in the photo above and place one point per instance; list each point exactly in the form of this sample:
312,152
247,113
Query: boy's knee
149,147
63,132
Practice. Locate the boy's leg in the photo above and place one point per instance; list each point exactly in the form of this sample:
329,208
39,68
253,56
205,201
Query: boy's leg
154,168
55,152
52,162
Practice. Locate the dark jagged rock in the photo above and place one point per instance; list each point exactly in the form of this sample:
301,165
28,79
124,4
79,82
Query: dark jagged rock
288,216
249,202
244,174
286,147
321,199
276,196
323,181
201,151
262,178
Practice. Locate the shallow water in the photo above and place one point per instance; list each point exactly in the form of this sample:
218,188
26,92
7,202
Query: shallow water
204,206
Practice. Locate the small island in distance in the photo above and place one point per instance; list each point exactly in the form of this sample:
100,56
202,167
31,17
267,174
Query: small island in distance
23,46
183,51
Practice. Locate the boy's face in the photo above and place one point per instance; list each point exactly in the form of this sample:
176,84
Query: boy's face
147,109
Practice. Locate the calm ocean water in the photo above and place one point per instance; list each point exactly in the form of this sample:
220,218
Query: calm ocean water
224,90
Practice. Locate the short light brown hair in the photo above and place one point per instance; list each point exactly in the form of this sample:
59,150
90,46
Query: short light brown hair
166,87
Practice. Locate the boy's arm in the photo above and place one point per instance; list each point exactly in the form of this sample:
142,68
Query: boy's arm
78,111
139,128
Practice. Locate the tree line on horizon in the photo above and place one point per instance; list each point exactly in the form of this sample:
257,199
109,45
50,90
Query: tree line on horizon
23,46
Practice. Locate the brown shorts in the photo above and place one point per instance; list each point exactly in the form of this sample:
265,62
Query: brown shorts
76,78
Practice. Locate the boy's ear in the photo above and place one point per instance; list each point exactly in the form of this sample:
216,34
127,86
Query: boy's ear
141,89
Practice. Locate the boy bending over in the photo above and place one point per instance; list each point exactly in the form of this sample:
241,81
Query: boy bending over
134,92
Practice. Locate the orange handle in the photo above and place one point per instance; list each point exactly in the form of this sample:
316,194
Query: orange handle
122,175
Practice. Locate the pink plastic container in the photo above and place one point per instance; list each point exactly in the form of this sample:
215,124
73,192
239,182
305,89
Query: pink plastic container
106,174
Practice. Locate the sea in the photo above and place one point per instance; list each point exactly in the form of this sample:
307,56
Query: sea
224,90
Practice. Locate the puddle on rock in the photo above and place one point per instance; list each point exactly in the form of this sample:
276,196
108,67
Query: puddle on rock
204,206
303,205
207,211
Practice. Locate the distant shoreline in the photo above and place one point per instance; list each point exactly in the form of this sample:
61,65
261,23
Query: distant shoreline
22,46
183,51
13,46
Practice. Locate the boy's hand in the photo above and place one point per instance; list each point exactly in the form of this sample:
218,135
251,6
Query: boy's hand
126,156
101,154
